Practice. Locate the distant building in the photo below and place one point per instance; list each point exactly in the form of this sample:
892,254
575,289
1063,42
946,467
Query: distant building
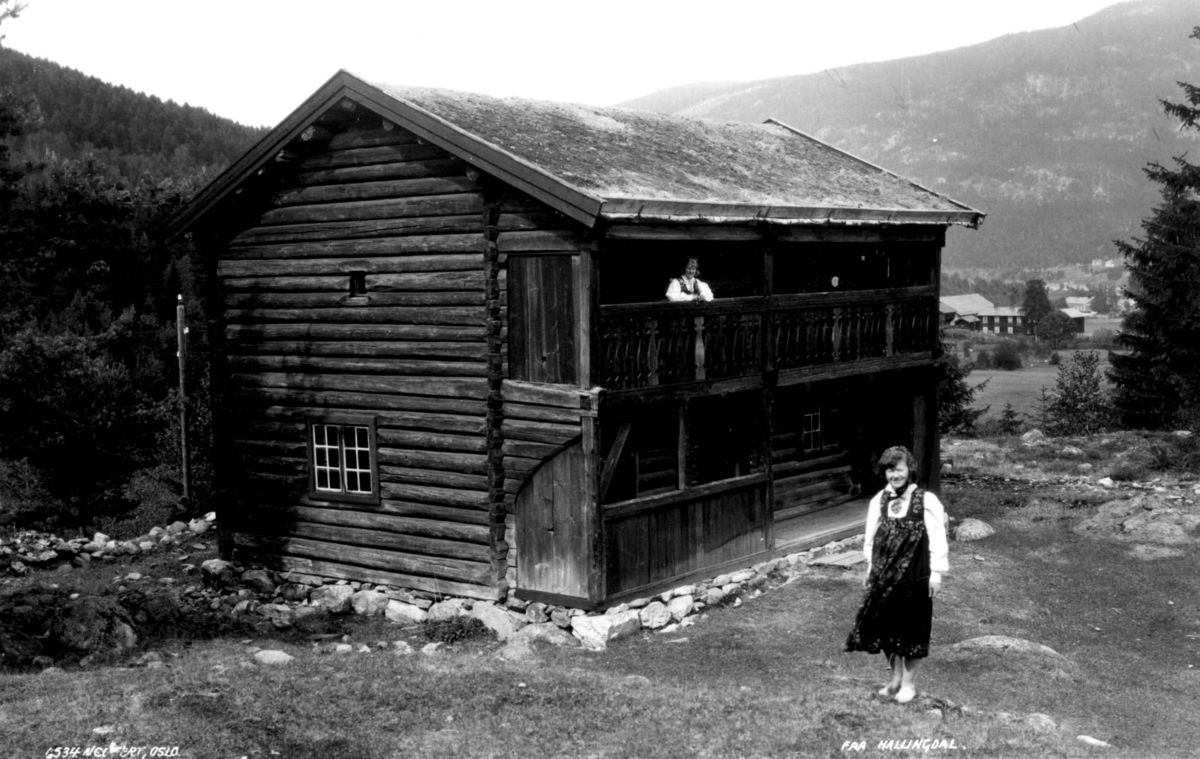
1077,317
963,310
1002,320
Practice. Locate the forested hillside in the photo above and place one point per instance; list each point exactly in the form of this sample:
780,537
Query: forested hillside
1047,131
70,114
89,409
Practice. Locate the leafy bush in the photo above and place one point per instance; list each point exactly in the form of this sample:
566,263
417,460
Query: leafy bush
1007,356
454,629
1055,359
73,413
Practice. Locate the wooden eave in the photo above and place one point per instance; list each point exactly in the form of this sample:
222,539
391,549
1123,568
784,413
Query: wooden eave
636,209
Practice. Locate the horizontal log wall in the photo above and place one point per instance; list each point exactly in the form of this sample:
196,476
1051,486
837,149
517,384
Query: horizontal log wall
411,348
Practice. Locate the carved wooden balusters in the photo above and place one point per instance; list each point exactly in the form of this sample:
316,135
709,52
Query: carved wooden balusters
656,344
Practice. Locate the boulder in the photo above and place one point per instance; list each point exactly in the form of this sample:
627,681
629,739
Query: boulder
293,591
561,617
655,615
273,657
258,580
496,619
404,613
281,615
973,529
334,599
596,632
536,612
217,573
93,625
1005,644
451,607
176,527
680,607
713,596
1034,437
198,526
369,603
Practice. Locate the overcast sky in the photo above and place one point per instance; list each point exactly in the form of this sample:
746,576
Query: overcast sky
256,60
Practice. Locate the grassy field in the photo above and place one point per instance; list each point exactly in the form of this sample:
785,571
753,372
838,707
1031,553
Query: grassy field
768,679
1022,387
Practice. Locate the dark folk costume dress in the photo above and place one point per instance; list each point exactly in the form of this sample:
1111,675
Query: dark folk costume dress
897,611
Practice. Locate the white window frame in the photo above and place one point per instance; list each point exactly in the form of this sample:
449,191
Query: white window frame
337,471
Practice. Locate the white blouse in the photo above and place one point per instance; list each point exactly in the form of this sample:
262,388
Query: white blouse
700,291
935,528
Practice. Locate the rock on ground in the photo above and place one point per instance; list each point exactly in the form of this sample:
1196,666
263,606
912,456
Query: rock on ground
973,529
404,614
273,657
1005,643
93,625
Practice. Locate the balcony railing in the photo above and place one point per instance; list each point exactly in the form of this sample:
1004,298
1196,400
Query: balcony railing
645,345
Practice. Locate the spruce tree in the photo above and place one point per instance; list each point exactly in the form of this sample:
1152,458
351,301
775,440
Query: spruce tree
1036,305
1158,378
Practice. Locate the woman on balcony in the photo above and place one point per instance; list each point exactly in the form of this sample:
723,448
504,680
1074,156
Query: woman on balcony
688,286
906,546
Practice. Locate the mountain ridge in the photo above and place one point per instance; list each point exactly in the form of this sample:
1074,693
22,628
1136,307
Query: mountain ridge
1047,131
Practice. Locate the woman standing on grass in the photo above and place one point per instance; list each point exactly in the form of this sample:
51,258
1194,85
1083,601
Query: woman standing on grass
906,547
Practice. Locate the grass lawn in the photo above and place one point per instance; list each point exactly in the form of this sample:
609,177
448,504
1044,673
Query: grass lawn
766,679
1022,387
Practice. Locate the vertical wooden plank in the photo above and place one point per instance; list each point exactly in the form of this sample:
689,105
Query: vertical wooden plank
591,517
681,449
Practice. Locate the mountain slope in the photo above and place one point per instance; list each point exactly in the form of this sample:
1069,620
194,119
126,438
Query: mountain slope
74,113
1047,131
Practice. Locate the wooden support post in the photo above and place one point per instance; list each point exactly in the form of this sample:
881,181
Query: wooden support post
180,334
889,325
681,454
698,323
592,516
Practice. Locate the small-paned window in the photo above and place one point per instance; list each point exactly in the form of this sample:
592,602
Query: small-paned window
820,430
343,460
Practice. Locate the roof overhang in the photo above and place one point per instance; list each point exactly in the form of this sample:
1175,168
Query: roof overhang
636,209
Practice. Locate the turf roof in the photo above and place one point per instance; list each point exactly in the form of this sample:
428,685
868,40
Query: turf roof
619,153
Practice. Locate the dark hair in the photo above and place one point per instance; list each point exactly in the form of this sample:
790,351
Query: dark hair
895,455
691,260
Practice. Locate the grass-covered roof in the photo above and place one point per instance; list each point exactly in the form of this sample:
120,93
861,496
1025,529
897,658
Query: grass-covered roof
619,153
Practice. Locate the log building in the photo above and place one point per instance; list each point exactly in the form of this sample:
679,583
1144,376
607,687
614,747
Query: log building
446,363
